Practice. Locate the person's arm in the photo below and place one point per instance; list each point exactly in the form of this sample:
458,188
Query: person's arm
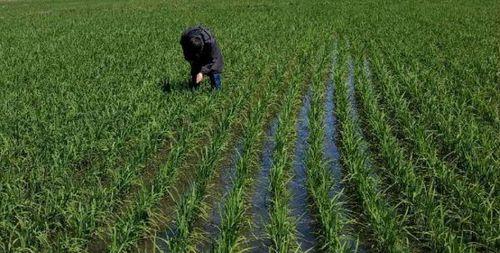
215,63
195,73
183,42
195,68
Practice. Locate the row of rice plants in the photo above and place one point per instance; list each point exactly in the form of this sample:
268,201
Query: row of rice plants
168,173
281,226
465,55
246,63
473,146
461,48
441,99
475,193
111,196
471,206
235,212
424,51
424,209
236,204
76,193
385,223
470,76
71,194
330,212
190,207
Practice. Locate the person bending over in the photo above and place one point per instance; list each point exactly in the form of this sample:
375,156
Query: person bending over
201,50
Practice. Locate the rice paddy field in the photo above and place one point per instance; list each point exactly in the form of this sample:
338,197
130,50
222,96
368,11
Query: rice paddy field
342,126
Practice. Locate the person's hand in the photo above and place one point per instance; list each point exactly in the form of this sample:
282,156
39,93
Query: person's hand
199,78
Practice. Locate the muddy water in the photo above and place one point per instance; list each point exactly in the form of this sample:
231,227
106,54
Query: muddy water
299,201
261,198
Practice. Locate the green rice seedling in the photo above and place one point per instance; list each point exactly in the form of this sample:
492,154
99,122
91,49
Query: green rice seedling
385,223
233,220
421,201
189,207
468,202
123,180
281,228
331,214
168,173
474,148
91,146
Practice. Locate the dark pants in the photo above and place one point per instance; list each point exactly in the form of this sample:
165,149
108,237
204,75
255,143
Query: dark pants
215,81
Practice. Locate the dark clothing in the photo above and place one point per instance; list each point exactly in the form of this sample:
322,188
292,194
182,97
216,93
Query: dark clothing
210,60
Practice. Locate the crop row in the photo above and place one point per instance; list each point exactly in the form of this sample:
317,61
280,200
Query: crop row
323,181
420,201
442,208
235,206
189,207
472,207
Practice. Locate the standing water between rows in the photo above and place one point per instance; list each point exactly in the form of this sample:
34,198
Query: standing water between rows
331,151
299,201
261,198
225,184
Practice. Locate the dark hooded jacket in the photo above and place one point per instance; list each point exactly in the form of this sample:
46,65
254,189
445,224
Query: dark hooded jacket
210,60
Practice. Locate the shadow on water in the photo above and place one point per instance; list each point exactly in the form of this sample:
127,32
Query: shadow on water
260,200
299,200
226,182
